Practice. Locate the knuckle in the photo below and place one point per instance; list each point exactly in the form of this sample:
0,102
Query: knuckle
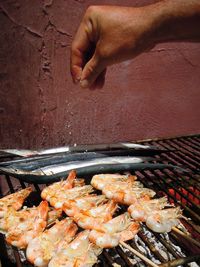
73,47
103,52
91,9
92,12
75,51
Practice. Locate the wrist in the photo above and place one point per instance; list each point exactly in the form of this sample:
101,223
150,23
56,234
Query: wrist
173,20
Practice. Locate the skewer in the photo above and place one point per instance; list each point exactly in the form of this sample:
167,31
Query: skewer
138,254
176,230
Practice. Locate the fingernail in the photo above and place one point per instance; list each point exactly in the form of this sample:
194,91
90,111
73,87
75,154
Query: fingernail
84,83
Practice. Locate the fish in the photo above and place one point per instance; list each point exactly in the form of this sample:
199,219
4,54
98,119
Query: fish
54,172
80,148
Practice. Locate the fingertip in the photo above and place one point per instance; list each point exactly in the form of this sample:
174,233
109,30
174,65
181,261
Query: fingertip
84,83
100,81
96,84
76,74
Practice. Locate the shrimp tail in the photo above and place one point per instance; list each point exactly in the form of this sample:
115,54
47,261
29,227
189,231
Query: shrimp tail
112,207
70,179
130,232
131,179
43,210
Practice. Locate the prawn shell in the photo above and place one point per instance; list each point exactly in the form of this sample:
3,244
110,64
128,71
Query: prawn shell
162,221
14,200
22,234
104,240
43,247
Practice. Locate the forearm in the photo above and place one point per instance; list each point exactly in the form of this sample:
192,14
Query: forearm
176,20
111,34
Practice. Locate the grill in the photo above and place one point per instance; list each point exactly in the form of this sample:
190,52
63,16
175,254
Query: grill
172,249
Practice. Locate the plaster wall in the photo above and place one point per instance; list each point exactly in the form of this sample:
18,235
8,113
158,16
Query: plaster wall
155,95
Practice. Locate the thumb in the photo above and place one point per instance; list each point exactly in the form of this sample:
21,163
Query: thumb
91,71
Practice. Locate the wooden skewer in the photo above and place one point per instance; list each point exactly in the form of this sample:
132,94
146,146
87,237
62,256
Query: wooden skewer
186,236
141,256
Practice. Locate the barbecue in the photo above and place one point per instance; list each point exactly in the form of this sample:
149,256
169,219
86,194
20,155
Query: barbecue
180,185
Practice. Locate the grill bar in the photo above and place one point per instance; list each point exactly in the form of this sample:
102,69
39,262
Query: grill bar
9,184
182,189
151,247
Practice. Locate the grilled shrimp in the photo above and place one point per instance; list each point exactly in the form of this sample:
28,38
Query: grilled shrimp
74,206
61,197
79,182
163,220
42,248
53,215
79,253
14,200
121,228
63,185
28,227
104,240
13,217
142,208
124,194
93,218
118,224
100,180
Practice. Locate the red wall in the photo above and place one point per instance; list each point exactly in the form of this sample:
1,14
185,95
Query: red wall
155,95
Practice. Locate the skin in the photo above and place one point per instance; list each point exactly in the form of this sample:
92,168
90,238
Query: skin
112,34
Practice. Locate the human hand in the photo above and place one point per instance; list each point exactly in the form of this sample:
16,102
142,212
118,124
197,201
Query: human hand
108,35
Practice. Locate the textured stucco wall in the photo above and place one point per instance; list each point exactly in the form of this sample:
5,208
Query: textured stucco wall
155,95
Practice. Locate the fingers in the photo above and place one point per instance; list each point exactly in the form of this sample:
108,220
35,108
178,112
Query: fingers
81,44
99,82
93,72
85,65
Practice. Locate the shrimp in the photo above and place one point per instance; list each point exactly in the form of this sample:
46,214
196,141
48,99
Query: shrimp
125,194
63,185
118,224
95,217
79,182
61,197
141,209
163,220
104,240
14,200
80,253
13,217
42,248
100,180
109,189
21,234
73,206
121,228
53,215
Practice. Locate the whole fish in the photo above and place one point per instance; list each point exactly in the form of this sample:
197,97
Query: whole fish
53,173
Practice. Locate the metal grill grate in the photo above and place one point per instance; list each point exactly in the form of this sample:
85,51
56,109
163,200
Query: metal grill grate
182,189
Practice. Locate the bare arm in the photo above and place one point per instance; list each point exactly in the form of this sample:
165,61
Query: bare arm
111,34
